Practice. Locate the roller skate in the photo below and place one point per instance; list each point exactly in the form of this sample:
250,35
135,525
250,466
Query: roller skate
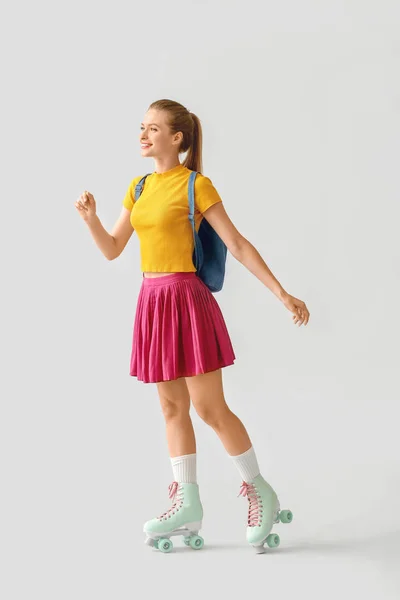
264,511
183,518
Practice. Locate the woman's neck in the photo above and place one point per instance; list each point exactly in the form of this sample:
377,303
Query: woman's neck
161,166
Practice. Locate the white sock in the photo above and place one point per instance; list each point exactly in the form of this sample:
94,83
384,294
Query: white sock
247,464
184,468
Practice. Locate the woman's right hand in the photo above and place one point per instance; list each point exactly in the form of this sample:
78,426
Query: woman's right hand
86,206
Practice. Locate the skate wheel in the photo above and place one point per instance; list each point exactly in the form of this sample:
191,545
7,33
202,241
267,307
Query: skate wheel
155,543
186,539
196,542
273,540
165,545
149,542
286,516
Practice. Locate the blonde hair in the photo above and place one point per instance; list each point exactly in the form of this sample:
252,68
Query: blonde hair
180,119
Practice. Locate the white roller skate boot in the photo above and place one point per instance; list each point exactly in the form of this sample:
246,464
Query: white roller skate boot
264,511
183,518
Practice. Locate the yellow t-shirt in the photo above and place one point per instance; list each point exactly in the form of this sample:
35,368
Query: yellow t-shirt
161,218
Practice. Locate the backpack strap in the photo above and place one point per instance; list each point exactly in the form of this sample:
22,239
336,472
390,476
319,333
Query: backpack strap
192,178
139,186
198,251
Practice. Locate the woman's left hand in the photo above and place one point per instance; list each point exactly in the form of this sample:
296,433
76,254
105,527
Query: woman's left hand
298,308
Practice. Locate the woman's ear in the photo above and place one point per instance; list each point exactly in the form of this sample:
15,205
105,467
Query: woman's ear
178,137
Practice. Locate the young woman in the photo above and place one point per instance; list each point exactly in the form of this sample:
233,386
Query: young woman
180,339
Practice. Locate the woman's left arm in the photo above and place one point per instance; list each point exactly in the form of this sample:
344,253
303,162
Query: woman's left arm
248,255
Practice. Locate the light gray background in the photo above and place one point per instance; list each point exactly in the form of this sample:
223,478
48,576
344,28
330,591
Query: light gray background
300,106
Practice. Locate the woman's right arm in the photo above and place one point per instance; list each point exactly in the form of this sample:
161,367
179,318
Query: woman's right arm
111,245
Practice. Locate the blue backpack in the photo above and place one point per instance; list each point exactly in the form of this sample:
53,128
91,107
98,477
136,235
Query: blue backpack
209,254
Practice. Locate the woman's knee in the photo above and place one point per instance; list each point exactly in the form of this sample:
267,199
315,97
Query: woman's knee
213,415
173,410
174,399
208,397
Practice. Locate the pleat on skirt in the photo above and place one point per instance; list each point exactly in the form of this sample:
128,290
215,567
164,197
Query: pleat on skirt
178,331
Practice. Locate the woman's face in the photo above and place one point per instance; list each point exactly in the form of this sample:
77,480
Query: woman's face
156,138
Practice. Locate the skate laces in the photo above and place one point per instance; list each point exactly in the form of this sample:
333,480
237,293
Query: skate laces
255,506
176,493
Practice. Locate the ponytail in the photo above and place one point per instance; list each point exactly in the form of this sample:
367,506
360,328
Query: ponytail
193,160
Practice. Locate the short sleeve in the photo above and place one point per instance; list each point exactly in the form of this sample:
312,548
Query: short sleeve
129,199
205,194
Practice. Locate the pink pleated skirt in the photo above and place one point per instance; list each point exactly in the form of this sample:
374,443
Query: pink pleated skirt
179,330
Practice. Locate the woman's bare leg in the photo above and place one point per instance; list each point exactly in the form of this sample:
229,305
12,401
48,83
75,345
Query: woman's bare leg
206,392
175,404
